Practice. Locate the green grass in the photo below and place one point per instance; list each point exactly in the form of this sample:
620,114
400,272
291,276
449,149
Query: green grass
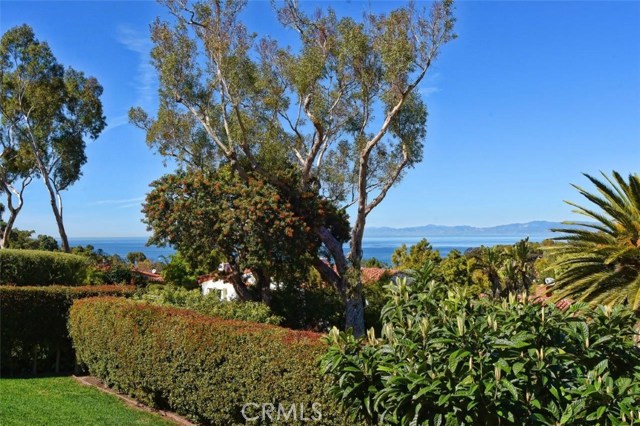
63,401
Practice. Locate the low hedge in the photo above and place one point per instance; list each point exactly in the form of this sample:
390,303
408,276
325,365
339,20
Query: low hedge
180,297
202,367
33,326
41,268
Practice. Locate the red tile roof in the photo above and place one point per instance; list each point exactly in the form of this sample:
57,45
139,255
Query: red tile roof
542,294
372,275
150,276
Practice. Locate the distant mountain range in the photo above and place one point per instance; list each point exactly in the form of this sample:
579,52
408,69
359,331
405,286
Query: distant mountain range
538,227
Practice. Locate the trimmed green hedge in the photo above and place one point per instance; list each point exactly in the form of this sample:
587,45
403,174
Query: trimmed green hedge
180,297
33,325
202,367
41,268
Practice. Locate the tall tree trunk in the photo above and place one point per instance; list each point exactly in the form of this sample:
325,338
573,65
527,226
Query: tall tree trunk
263,281
238,285
354,303
56,206
346,278
13,211
54,195
6,234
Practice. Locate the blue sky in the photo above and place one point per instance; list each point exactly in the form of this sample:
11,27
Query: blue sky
530,95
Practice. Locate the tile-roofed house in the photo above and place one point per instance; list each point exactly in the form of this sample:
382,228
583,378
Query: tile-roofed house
150,276
373,275
542,294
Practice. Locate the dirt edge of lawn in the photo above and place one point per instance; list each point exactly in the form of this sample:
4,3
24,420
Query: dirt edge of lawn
97,384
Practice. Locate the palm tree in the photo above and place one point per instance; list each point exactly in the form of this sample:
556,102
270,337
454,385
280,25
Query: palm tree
489,261
601,260
509,276
522,257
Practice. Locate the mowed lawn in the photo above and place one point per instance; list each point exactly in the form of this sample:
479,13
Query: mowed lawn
63,401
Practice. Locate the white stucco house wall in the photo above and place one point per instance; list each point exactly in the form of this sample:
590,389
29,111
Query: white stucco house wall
217,283
223,288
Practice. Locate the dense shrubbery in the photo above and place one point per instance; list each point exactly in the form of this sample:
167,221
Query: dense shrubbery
35,267
495,270
23,239
313,307
177,271
34,325
109,274
202,367
209,305
448,359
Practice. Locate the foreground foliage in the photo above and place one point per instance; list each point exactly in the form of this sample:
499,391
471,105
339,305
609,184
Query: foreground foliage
209,305
63,401
445,359
601,260
201,367
33,336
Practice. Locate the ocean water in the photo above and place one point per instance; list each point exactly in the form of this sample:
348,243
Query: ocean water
383,247
123,245
378,247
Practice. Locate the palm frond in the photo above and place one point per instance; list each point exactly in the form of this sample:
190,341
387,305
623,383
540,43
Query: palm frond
600,262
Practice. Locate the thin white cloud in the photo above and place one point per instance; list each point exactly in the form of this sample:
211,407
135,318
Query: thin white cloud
121,202
130,205
430,84
426,91
116,122
145,80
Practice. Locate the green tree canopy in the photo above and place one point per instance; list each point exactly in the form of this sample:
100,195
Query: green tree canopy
250,223
134,257
47,112
454,269
416,256
343,107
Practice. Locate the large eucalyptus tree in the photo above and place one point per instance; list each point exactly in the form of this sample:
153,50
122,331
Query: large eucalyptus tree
343,106
48,111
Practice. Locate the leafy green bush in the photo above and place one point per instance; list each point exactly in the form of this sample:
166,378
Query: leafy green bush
210,304
35,267
446,359
316,308
201,367
33,336
178,272
112,274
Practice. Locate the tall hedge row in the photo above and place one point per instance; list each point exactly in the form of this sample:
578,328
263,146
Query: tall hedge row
202,367
33,326
37,267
